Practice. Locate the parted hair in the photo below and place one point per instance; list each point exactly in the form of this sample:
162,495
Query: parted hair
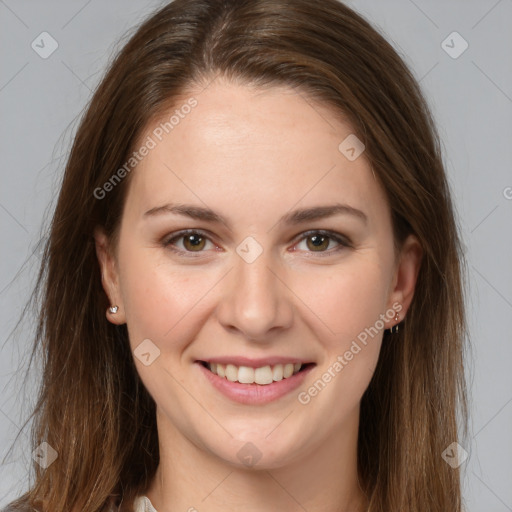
92,407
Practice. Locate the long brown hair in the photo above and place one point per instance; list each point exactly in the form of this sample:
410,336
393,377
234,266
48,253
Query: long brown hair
92,407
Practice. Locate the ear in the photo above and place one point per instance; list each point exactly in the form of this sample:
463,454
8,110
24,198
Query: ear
404,279
109,276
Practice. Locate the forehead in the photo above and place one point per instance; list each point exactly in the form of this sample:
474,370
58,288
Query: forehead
245,147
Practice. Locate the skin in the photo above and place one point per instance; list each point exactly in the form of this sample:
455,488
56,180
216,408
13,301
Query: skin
252,155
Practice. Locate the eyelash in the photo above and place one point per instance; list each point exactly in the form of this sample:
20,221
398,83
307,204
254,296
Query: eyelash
343,241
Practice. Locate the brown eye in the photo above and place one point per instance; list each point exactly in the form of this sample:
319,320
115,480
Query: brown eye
187,242
193,242
323,242
320,242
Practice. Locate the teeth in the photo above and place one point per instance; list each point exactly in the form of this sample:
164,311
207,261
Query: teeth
246,375
277,372
231,373
288,370
263,375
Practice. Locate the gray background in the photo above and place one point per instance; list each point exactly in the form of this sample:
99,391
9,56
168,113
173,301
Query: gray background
470,96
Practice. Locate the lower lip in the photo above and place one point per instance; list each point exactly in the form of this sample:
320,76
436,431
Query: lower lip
255,394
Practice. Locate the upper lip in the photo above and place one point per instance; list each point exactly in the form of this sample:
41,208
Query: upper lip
254,363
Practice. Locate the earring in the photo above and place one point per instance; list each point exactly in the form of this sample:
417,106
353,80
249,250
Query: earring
113,309
394,329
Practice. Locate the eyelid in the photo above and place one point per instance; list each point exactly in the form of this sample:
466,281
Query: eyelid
166,241
339,237
342,240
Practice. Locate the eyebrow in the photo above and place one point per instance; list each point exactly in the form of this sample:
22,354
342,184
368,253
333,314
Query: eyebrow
295,217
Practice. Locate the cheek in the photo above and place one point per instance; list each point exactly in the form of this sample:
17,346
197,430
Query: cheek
350,306
161,301
346,300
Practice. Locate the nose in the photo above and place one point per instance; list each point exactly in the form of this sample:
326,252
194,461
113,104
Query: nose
256,301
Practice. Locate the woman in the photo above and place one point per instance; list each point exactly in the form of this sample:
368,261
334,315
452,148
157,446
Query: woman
256,198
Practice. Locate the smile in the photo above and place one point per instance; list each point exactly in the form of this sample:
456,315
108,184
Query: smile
263,375
257,384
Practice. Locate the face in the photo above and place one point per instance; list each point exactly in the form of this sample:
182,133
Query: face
287,267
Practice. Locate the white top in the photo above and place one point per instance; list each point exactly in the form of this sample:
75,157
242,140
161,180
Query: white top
142,504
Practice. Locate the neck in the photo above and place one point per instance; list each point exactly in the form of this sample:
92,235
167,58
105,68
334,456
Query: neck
323,479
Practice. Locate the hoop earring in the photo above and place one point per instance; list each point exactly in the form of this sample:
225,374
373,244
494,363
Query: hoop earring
113,309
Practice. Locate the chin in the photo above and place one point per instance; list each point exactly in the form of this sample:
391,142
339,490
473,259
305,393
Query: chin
258,453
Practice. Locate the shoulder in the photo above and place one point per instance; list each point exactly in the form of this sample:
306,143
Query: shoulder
143,504
23,507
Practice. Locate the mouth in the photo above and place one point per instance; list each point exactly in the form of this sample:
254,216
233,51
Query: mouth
254,382
262,375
